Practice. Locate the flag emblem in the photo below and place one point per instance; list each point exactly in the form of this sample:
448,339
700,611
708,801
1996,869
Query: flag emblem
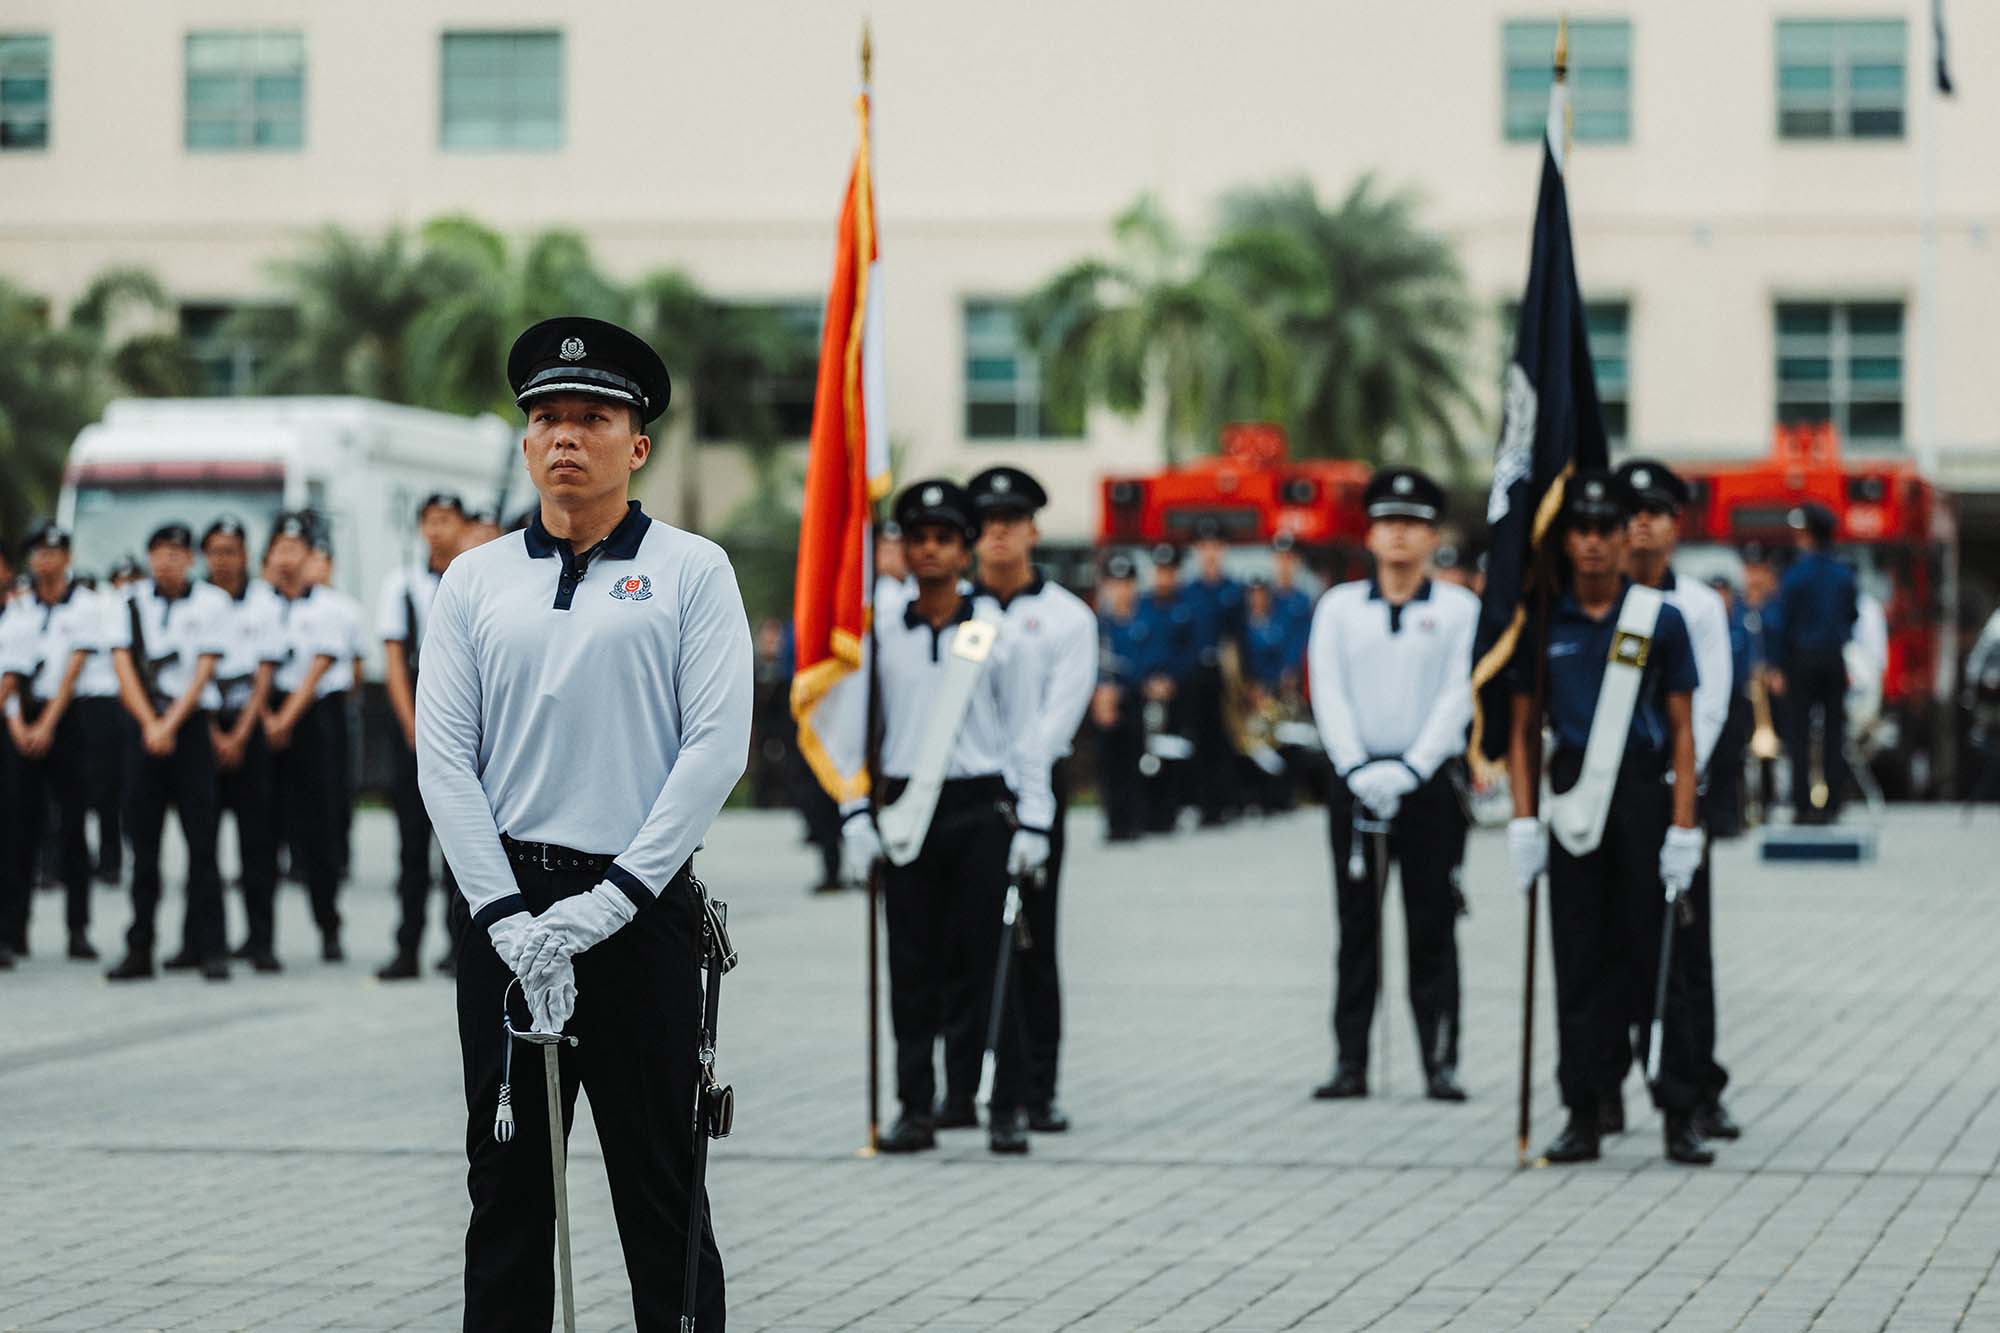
636,587
572,349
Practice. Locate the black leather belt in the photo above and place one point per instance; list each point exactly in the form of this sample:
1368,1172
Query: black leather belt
548,856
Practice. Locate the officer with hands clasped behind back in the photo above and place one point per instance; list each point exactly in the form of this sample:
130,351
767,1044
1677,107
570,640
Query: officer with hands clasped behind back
1124,653
403,612
166,643
1387,658
965,809
582,713
1060,633
1818,606
1620,845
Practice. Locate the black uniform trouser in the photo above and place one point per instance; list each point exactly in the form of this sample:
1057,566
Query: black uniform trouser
308,779
1041,980
1725,798
247,791
1118,782
1216,777
110,735
1165,789
638,1013
944,911
1816,683
60,774
341,744
184,779
1427,839
1605,914
413,874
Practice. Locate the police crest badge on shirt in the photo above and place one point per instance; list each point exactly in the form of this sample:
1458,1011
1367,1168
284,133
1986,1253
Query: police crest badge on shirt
635,587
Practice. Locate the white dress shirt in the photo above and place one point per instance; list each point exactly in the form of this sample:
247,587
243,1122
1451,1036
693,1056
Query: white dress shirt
178,632
1392,682
347,612
1708,634
1002,731
1061,634
309,627
99,677
605,709
407,593
56,630
250,638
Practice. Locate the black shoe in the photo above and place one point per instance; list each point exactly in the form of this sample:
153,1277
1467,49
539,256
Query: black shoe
1007,1132
1684,1145
956,1113
6,959
1577,1142
831,884
447,965
330,950
183,961
264,961
80,947
244,952
1443,1085
1611,1112
910,1133
110,879
1048,1118
1347,1081
403,967
135,967
215,968
1713,1121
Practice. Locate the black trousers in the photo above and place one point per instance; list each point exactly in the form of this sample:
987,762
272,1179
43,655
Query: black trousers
944,911
638,1010
341,743
111,734
247,792
308,779
1166,787
1427,839
1723,803
1041,979
1816,686
61,777
1605,914
184,779
1118,781
413,873
1694,949
1216,777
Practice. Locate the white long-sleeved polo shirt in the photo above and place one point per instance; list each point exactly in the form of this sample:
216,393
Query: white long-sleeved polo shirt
1708,634
598,702
1002,732
1392,682
1061,636
178,633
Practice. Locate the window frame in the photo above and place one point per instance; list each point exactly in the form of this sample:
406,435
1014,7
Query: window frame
46,75
805,369
249,117
1586,103
1848,39
1034,423
1841,347
506,113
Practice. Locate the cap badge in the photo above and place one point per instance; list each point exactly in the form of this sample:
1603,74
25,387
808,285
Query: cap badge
572,349
635,587
1593,490
933,495
1642,479
1001,484
1401,485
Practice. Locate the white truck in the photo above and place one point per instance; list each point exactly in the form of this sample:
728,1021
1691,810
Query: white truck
361,464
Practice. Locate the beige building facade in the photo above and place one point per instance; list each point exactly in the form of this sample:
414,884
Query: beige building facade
1749,185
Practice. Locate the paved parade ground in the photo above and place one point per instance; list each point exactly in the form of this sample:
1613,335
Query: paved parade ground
285,1152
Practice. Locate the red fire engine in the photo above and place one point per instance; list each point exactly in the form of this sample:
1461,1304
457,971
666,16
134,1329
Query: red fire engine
1899,533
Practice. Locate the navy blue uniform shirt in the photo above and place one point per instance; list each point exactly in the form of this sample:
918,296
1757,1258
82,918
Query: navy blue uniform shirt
1218,613
1818,603
1267,650
1580,649
1739,648
1173,623
1294,608
1125,648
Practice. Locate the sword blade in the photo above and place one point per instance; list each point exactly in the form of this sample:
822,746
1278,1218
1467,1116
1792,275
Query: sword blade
552,1076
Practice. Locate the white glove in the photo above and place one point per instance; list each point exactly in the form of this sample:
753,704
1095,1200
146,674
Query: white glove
1680,858
1382,785
552,1002
860,846
570,926
1528,849
1028,853
507,935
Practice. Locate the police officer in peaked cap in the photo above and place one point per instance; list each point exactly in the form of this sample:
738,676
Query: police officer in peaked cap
582,713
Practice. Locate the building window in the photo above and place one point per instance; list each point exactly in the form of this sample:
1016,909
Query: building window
1842,364
1600,79
502,90
773,396
1609,325
246,90
24,91
1840,79
1003,380
226,359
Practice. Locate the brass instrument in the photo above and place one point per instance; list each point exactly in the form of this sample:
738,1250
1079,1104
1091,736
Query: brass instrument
1764,737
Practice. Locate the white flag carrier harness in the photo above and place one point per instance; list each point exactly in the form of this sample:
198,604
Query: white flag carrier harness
1577,816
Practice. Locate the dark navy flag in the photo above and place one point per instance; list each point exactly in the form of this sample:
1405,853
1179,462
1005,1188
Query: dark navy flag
1551,424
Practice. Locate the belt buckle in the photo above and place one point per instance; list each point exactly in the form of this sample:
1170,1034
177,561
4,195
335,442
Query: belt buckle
545,856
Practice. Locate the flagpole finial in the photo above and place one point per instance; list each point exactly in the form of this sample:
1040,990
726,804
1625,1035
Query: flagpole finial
867,53
1562,48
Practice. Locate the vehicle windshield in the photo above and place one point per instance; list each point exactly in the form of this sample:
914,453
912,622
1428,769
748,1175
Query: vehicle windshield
112,521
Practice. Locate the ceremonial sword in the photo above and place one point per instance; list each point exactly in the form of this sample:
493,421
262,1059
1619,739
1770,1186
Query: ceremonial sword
503,1130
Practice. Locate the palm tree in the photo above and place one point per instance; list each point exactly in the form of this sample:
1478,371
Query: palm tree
1155,316
1375,310
344,316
